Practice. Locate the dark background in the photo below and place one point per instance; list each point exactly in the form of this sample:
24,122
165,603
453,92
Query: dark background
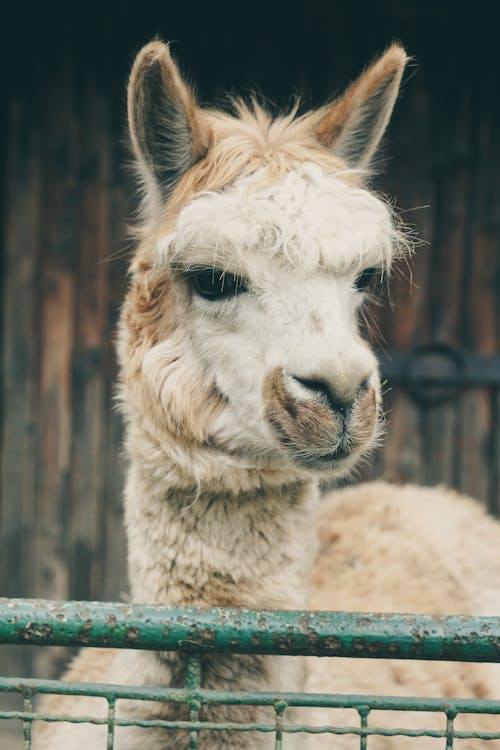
66,197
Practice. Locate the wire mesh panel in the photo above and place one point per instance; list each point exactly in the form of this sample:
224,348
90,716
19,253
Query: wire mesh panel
197,632
196,697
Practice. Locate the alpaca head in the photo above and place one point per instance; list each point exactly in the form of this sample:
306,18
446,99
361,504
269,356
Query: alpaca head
239,341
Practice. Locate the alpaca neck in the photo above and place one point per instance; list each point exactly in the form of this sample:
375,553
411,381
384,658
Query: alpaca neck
253,549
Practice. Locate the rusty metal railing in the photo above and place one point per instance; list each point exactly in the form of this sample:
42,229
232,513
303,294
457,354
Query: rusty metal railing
197,631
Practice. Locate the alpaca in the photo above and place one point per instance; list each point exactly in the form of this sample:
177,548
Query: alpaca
244,380
384,548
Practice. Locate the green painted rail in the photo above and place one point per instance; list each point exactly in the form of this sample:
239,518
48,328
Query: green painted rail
221,630
196,631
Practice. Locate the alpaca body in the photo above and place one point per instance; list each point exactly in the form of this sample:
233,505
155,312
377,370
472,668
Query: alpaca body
409,549
381,548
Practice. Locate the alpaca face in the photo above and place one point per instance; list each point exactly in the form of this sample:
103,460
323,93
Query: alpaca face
239,338
269,289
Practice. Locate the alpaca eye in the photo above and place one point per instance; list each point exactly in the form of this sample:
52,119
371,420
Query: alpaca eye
365,278
212,284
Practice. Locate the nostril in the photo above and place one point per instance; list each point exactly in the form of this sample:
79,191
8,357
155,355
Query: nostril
364,385
321,389
318,386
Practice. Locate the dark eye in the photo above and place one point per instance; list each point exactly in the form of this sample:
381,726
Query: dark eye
365,278
212,283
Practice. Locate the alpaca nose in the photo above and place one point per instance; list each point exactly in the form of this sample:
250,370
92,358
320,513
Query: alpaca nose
320,389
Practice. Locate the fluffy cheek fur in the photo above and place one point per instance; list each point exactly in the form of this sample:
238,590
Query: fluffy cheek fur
162,385
310,430
182,399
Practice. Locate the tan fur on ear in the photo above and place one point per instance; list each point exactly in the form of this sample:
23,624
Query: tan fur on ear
354,124
167,128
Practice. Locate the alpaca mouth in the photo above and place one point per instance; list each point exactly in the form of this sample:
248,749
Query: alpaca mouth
323,461
337,455
316,435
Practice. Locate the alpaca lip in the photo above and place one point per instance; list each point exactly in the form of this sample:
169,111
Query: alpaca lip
321,462
337,455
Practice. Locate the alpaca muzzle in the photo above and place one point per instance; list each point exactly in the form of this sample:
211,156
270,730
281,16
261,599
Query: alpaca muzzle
317,429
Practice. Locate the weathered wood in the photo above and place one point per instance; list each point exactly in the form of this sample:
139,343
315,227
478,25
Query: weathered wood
90,409
59,241
20,340
480,324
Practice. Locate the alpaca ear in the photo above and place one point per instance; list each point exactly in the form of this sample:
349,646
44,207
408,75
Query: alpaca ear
167,131
353,125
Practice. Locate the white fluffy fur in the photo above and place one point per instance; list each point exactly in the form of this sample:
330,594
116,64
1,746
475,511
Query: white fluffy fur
406,549
310,220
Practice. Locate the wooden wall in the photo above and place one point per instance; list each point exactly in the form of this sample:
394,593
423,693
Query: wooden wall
66,197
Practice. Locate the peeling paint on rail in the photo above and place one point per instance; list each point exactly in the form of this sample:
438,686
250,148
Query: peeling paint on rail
118,625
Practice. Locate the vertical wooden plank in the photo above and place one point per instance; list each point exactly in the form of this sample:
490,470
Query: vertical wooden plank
50,576
450,117
59,240
480,326
114,580
86,532
19,360
57,319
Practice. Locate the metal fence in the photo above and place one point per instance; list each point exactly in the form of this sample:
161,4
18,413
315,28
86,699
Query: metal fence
196,631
